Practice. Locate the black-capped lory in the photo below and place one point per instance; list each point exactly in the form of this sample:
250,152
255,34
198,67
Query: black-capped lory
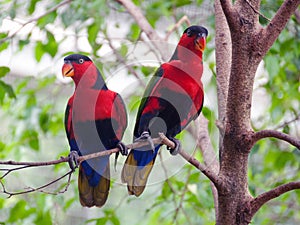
95,120
172,99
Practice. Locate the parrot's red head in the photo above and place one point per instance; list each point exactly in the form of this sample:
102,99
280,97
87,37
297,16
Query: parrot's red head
78,66
194,40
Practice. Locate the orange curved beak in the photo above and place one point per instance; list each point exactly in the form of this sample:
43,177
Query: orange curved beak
200,43
68,70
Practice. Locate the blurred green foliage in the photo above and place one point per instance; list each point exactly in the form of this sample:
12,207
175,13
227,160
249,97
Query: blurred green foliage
32,110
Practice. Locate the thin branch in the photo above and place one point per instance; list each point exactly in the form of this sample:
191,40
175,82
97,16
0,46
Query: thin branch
297,16
177,25
181,200
122,60
229,12
256,11
276,134
160,140
223,64
270,33
41,187
8,171
46,163
35,19
208,153
261,199
145,26
288,122
140,19
204,169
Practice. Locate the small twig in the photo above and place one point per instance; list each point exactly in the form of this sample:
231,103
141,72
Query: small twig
35,19
276,134
288,122
140,19
181,200
256,11
261,199
204,169
39,188
177,25
8,171
122,60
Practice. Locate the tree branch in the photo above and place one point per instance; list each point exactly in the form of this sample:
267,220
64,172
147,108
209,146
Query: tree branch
162,139
210,174
209,155
140,19
270,33
276,134
122,60
261,199
145,26
223,63
35,19
176,26
229,12
257,11
30,189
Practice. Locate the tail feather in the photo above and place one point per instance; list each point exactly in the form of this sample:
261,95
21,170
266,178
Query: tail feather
135,174
90,195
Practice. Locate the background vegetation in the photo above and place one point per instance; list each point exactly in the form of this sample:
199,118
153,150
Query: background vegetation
34,38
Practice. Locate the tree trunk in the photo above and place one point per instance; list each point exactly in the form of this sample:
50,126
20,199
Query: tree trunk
234,199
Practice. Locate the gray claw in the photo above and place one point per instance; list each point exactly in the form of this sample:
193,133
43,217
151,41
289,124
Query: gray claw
124,151
123,148
176,150
73,160
145,136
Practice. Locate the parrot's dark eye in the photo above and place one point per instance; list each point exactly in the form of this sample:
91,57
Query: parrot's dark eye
189,33
81,61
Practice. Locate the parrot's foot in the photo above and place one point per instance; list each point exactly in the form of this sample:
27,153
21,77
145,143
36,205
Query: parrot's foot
146,137
124,151
73,160
122,147
176,150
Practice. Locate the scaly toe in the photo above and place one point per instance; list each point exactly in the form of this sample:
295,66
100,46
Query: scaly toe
73,160
176,150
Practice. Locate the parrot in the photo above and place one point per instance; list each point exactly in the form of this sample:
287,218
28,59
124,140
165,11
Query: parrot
95,120
172,99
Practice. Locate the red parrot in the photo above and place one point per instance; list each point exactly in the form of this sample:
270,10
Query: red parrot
172,99
95,120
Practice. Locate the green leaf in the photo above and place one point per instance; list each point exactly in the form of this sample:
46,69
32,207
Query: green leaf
6,88
100,221
31,6
39,51
134,31
51,47
22,43
49,18
4,45
123,50
44,218
20,211
4,70
93,30
30,137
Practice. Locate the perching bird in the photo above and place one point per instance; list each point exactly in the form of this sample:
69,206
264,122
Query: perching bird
172,99
95,120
